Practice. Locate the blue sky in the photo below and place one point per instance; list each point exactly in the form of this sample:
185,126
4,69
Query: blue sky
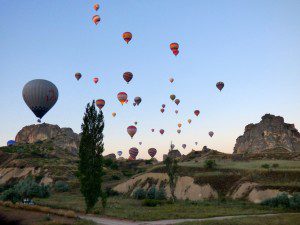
253,46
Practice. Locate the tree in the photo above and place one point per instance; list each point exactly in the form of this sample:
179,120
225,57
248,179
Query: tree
172,171
90,166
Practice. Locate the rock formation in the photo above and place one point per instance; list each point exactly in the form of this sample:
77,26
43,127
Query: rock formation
174,154
63,138
270,133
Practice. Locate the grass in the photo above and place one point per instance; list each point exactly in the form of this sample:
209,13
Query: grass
132,209
269,220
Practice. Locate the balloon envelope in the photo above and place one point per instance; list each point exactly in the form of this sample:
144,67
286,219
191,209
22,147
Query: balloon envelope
177,101
161,131
78,76
127,76
119,153
100,103
171,79
152,152
11,143
131,130
133,152
122,97
137,100
172,97
40,96
197,112
96,79
211,133
127,36
96,6
96,19
184,146
220,85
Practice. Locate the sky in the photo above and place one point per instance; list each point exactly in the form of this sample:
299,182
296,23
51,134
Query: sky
252,46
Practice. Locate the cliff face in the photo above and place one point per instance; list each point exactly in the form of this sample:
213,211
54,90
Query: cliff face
61,137
270,133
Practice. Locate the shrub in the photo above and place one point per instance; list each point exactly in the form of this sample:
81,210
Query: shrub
115,177
139,193
295,201
265,166
161,194
152,193
111,164
210,164
151,202
281,200
10,195
110,192
61,186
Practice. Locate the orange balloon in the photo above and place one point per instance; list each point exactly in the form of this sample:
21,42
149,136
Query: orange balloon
127,36
96,19
96,7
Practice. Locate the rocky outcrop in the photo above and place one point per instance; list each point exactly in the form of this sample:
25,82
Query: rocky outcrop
174,154
63,138
270,133
111,156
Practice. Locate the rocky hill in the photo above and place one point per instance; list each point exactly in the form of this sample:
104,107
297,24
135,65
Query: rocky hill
269,135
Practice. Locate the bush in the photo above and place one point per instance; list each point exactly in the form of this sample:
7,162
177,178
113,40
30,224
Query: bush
265,166
139,193
152,193
210,164
110,192
295,201
151,202
281,200
10,195
161,194
111,163
61,186
115,177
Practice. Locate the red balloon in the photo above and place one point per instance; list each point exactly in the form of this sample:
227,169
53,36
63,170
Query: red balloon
122,97
127,76
96,19
197,112
131,130
220,85
100,103
161,131
96,79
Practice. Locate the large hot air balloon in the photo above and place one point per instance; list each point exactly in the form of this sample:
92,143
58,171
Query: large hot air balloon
220,85
96,19
114,114
78,76
161,131
40,96
131,130
95,79
178,131
184,146
189,120
174,48
179,125
133,152
119,153
172,97
100,103
152,152
137,100
163,105
127,76
122,97
177,101
176,111
127,36
211,133
162,110
197,112
11,143
171,79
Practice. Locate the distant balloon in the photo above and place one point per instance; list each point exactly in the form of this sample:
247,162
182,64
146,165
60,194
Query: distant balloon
137,100
197,112
211,133
96,19
189,120
131,130
178,131
114,114
172,97
179,125
78,76
174,48
133,152
196,143
163,105
176,111
96,79
161,131
176,52
162,110
134,104
127,36
177,101
184,146
100,103
96,7
127,76
171,79
122,97
152,152
119,153
131,158
126,101
152,130
135,123
172,146
220,85
140,143
11,143
40,96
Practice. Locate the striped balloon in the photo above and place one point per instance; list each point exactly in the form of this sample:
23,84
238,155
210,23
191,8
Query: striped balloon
40,96
133,152
127,76
152,152
122,97
100,103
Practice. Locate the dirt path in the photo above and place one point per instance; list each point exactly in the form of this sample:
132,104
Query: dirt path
110,221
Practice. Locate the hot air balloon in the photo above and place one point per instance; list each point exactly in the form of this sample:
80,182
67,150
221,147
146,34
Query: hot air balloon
127,36
78,76
152,152
174,48
189,120
162,110
96,7
134,104
178,131
177,101
220,85
95,79
131,130
172,146
11,143
137,100
152,130
176,52
100,103
126,101
211,133
184,146
122,97
140,143
179,125
196,143
172,97
40,96
119,153
176,111
114,114
171,79
163,105
131,158
96,19
135,123
133,152
197,112
127,76
161,131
